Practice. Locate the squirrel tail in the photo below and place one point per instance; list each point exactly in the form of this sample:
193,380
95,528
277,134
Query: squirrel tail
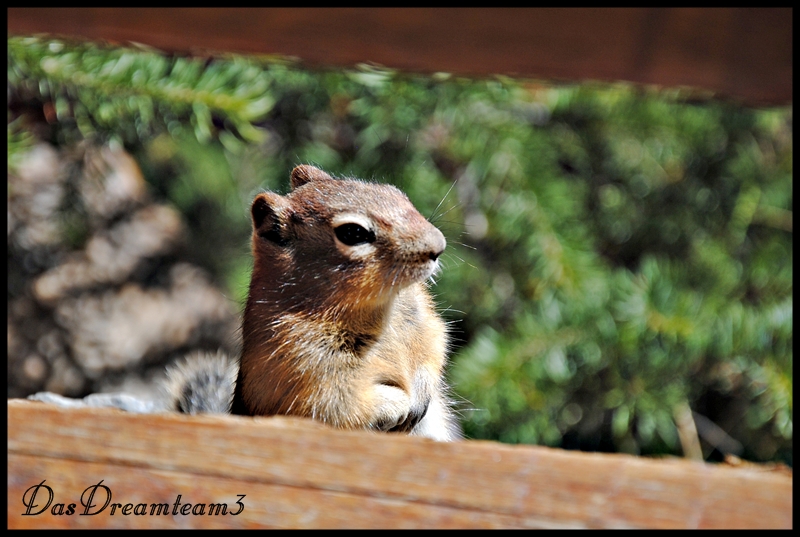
202,383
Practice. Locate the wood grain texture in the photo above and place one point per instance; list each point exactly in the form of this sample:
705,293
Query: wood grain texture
295,473
745,53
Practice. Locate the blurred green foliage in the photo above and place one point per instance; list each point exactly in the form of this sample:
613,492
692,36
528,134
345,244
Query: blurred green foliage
616,253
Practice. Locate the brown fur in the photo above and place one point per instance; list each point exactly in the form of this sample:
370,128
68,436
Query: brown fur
347,335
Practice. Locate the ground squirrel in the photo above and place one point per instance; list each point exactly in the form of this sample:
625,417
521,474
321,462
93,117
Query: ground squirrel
339,325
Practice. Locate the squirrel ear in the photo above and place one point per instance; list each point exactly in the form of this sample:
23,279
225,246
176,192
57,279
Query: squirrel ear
304,173
267,222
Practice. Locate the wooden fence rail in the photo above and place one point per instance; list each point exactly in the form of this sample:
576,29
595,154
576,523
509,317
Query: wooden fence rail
740,52
286,472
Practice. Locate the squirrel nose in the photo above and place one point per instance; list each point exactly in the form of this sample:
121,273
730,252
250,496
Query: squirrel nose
437,245
435,255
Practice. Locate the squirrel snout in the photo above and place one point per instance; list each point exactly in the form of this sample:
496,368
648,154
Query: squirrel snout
434,254
437,244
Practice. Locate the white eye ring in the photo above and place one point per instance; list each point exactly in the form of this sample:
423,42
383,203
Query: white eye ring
358,250
352,218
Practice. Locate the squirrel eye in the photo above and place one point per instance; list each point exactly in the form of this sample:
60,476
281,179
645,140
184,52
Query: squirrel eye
352,234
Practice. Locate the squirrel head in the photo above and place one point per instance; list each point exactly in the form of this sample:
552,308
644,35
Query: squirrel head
341,241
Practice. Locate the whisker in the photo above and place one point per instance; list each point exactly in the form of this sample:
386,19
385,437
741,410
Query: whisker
433,215
465,245
457,205
453,222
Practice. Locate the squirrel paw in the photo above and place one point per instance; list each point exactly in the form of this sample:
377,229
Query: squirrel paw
395,410
392,407
415,415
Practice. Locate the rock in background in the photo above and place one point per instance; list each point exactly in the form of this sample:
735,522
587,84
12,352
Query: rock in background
99,299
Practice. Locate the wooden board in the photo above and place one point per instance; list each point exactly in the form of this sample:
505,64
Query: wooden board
740,52
299,474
